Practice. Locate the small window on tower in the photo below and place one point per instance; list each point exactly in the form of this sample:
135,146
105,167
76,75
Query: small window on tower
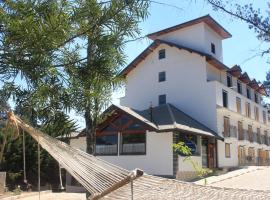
162,99
161,76
161,54
213,48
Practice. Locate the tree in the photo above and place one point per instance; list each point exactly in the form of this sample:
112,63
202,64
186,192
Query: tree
254,18
104,27
256,21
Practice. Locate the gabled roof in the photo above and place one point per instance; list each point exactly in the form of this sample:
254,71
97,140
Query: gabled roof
212,60
245,78
213,24
254,84
235,71
167,118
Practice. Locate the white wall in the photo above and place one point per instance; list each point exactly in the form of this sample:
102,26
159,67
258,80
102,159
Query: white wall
192,37
198,37
185,86
157,161
211,36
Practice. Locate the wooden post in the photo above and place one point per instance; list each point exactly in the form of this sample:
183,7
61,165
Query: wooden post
133,175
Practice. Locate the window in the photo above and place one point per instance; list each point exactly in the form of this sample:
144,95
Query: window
256,97
191,141
162,99
225,98
133,144
240,131
266,138
264,117
107,144
239,87
213,48
256,113
248,113
250,133
229,81
161,54
226,132
238,105
259,135
161,76
227,150
248,93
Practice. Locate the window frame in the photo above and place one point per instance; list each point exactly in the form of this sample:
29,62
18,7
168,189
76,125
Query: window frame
227,147
226,126
264,117
239,87
159,99
256,113
238,105
131,153
227,102
161,54
229,81
248,93
108,154
248,110
162,76
256,97
213,48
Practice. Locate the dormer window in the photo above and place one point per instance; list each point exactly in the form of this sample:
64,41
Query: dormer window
248,93
161,54
229,81
256,97
213,48
239,87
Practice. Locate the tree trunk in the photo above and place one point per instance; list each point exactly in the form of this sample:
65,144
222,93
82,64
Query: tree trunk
89,132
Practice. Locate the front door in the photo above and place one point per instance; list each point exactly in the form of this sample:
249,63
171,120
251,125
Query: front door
211,155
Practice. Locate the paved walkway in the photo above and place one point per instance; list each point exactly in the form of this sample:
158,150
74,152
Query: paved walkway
250,178
48,196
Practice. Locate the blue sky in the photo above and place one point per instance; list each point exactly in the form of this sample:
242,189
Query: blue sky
241,49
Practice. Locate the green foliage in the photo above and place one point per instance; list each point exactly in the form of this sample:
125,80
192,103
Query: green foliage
61,55
183,149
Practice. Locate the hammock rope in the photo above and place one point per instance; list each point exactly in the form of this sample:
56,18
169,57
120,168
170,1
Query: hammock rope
97,176
107,181
24,162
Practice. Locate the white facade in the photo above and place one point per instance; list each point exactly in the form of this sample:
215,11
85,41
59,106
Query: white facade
195,87
159,152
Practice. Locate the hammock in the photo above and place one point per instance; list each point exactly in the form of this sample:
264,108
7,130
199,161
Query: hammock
107,181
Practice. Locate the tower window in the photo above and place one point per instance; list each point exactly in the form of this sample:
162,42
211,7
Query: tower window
161,76
162,99
161,54
213,48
